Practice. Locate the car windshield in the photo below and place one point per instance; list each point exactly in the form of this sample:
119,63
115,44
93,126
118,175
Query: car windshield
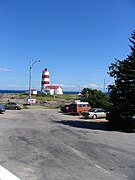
92,110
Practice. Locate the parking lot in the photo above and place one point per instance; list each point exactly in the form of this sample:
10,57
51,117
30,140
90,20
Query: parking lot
44,144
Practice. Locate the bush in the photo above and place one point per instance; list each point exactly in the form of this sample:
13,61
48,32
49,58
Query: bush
96,98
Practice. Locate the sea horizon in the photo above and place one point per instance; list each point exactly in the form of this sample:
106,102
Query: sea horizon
6,91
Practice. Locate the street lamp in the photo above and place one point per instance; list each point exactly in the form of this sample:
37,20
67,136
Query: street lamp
30,76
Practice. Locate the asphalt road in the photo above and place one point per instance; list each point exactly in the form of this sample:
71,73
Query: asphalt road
47,145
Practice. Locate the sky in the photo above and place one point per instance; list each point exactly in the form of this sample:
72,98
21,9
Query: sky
76,40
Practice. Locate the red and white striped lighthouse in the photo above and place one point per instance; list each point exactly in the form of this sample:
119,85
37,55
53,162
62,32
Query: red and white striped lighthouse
45,79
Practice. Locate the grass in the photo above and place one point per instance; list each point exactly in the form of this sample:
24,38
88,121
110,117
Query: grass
47,101
56,97
44,97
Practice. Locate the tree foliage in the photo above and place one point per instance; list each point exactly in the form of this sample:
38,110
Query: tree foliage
122,93
96,98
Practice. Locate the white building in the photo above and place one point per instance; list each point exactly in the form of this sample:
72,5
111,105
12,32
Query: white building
53,89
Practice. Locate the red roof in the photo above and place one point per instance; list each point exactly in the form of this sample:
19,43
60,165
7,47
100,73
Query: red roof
53,87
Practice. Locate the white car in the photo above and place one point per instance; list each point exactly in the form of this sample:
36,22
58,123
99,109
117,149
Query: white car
94,113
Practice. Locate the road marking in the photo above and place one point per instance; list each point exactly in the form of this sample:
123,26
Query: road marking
6,175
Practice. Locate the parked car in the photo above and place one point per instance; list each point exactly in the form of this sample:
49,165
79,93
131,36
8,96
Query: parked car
78,107
95,113
65,108
2,109
13,105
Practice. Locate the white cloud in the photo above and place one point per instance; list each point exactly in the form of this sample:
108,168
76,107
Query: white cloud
69,86
5,70
75,87
92,86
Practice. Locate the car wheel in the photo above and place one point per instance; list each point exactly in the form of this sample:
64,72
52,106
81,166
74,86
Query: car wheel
16,108
94,116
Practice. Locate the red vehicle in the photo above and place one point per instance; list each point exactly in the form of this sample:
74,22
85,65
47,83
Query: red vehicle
78,107
65,108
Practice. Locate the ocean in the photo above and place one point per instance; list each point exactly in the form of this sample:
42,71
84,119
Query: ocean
23,91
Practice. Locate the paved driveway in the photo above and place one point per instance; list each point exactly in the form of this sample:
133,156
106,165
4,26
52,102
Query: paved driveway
47,145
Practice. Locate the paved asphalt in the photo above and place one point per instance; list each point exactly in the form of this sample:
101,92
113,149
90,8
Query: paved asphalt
44,144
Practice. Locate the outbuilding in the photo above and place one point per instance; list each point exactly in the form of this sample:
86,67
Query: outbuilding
33,92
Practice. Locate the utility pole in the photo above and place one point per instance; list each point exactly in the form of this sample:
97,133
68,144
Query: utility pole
30,76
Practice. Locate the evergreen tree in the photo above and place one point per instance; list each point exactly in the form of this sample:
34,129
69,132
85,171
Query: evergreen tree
122,93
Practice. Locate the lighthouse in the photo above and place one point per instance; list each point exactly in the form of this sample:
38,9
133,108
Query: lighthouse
45,79
46,87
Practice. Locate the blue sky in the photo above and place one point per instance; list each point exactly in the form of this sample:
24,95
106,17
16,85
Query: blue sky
76,40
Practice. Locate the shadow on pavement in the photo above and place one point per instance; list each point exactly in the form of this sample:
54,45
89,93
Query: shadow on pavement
86,124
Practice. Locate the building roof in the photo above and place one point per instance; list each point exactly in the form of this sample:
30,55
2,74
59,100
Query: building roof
53,86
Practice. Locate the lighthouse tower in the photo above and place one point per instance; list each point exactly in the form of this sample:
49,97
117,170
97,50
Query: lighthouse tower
45,79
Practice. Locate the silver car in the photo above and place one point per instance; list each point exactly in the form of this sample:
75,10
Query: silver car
13,105
94,113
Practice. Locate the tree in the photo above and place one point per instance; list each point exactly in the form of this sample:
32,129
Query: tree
122,93
96,98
